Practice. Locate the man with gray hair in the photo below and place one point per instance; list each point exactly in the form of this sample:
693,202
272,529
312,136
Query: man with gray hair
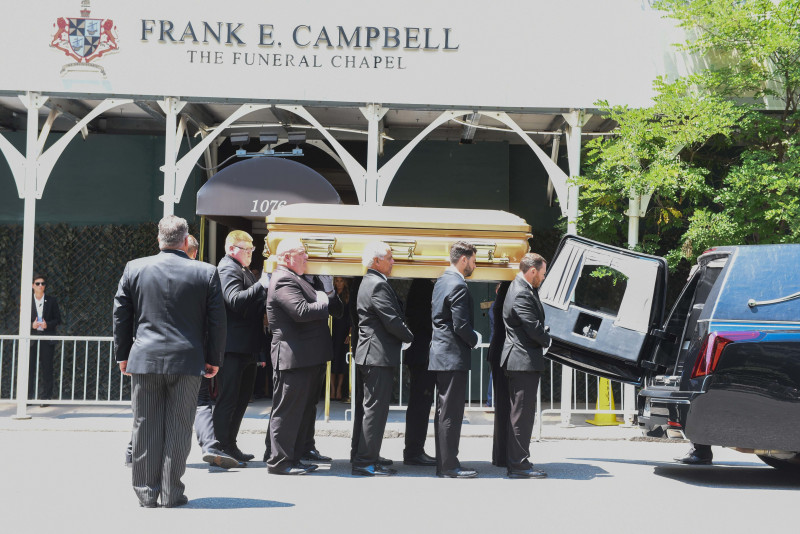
382,334
301,343
173,309
522,359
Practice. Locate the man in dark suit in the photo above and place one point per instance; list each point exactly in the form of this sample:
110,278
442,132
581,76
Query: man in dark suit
310,454
245,299
422,382
500,401
45,318
381,336
301,343
204,418
522,358
172,307
450,356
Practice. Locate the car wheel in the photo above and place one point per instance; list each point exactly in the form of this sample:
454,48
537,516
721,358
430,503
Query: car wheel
790,465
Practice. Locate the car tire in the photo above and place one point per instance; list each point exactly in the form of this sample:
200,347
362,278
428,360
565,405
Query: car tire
790,465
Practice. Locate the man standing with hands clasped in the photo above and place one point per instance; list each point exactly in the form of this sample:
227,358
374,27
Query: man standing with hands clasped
450,356
527,340
169,331
381,336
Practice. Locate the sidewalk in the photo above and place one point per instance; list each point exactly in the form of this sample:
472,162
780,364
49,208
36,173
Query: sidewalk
477,424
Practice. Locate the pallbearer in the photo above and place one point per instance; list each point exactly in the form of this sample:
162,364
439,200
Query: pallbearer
450,357
381,336
522,358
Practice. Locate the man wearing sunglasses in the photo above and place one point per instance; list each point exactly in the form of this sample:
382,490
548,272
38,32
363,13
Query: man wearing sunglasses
45,317
245,304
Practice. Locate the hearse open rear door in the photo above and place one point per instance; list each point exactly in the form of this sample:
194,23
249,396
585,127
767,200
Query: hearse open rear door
604,305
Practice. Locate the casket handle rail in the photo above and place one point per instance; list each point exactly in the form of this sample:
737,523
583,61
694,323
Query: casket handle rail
403,246
319,245
324,247
486,250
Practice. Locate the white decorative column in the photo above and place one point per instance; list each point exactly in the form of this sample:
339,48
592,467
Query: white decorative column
374,114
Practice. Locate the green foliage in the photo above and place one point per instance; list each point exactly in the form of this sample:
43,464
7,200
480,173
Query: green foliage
718,149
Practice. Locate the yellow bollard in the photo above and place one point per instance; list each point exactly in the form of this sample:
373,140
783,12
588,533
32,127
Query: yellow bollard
605,401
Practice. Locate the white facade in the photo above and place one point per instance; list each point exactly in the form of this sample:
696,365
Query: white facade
504,54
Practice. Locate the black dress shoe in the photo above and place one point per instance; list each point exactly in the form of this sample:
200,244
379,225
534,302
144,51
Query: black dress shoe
526,473
148,504
314,456
234,452
181,501
308,467
239,455
384,461
421,459
290,470
220,459
693,458
374,470
458,472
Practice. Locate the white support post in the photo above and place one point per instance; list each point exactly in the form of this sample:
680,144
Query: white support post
32,101
576,119
374,114
171,107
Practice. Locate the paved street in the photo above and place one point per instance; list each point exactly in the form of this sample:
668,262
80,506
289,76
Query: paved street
60,479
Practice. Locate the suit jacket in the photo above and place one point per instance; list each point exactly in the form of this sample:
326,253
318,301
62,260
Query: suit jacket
418,318
381,330
245,301
299,324
51,315
498,336
169,317
453,332
523,317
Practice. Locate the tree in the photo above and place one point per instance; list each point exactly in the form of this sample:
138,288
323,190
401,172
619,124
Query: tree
718,149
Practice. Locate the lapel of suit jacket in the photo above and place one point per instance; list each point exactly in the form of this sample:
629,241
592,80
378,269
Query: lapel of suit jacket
380,279
535,295
305,286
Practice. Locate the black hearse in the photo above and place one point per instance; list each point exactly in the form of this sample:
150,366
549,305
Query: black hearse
723,367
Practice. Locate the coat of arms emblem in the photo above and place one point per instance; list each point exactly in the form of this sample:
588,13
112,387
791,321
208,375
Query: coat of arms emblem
84,39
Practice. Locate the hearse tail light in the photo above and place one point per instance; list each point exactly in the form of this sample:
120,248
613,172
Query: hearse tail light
713,344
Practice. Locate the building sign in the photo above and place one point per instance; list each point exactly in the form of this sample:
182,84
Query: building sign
505,54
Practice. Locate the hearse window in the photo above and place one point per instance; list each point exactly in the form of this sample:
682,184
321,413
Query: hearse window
632,304
600,289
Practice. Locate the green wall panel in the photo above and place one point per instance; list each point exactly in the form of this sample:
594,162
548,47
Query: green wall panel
449,175
103,179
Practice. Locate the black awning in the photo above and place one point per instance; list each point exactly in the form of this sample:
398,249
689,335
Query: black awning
252,188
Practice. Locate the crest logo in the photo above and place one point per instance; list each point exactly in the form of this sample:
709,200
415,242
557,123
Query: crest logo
84,39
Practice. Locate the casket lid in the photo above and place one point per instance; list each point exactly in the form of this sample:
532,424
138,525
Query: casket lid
398,217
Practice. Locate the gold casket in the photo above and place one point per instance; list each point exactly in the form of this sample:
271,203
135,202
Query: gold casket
334,236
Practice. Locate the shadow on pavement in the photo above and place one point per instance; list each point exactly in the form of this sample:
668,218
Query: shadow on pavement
214,469
220,503
668,462
730,475
560,471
